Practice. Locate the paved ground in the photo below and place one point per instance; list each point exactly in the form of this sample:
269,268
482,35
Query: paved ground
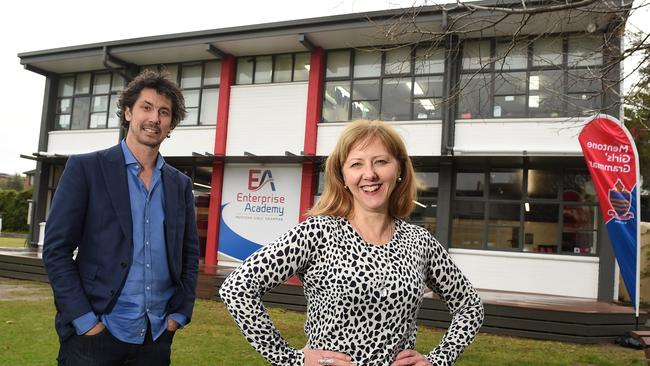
11,289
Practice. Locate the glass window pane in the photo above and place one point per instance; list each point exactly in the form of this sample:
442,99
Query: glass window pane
263,69
338,64
209,101
100,103
245,70
429,181
366,90
578,187
172,70
212,73
503,213
102,83
65,105
425,216
543,184
510,83
470,184
506,185
585,50
191,76
98,120
541,226
113,119
428,86
547,51
509,106
365,110
398,61
476,55
82,86
62,122
474,96
301,67
282,69
583,104
503,237
118,82
546,93
191,98
367,64
427,108
579,242
584,81
191,117
66,87
468,224
396,99
336,101
429,60
509,56
80,113
578,217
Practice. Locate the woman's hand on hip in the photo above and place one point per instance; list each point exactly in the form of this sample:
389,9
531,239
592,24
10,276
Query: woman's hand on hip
410,357
319,357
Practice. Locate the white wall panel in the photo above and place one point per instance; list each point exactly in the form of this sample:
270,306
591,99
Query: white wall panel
185,140
513,137
81,141
421,138
528,272
267,119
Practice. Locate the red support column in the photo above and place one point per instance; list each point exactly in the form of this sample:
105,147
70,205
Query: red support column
216,183
314,106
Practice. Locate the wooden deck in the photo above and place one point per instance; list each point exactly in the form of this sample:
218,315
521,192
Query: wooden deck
567,319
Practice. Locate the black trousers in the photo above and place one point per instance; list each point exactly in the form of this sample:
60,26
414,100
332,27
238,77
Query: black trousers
103,349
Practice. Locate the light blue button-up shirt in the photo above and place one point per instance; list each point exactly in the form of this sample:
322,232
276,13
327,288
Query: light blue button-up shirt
148,285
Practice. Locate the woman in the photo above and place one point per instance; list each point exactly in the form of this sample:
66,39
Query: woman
363,268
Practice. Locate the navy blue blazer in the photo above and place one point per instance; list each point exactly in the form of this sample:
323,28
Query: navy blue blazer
91,212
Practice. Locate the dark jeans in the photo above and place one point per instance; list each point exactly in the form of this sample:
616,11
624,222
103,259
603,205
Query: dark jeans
103,349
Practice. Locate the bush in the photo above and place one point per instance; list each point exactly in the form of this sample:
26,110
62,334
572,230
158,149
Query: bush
13,210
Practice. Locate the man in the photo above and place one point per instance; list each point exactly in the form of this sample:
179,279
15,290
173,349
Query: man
131,218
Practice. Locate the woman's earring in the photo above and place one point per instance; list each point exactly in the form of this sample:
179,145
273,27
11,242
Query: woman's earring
346,188
399,179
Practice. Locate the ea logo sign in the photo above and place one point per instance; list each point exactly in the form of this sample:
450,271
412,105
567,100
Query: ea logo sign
258,179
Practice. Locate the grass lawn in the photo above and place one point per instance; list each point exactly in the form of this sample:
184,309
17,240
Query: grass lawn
12,242
27,337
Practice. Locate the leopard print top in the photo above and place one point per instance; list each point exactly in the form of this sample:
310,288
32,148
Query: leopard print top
362,299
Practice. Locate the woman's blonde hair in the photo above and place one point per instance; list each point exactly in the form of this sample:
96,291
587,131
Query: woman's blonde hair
338,201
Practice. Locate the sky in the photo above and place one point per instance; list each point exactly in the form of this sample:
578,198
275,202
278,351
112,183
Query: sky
33,25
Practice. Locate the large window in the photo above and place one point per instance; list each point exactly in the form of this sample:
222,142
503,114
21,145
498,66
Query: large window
395,85
199,82
552,76
273,68
88,100
525,209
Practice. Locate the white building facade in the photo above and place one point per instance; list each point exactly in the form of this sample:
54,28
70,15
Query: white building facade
490,116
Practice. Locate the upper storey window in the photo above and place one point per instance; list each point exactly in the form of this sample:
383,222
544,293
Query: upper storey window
400,84
553,76
273,68
88,100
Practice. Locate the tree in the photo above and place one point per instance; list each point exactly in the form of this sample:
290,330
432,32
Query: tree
524,27
14,182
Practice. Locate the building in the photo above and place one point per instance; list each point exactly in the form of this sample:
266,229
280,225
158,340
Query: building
490,113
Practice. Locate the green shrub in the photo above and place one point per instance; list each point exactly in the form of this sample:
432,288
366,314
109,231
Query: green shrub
13,209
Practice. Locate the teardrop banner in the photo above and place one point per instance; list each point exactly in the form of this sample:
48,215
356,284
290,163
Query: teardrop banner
612,160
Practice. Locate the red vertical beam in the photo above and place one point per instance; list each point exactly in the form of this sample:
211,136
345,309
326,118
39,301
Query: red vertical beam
216,182
314,106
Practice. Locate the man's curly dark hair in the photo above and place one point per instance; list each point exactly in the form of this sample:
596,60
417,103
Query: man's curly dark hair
159,82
